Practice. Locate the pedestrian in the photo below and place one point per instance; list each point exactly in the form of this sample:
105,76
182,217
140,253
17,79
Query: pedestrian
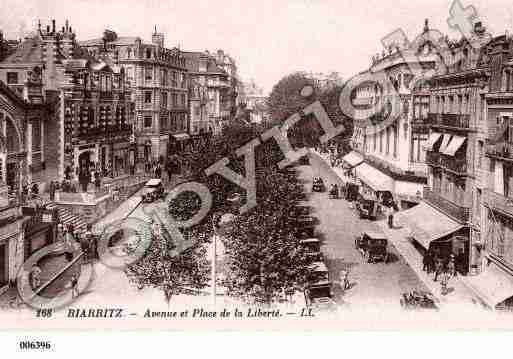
35,277
439,265
390,213
451,266
460,262
344,279
445,282
74,286
426,261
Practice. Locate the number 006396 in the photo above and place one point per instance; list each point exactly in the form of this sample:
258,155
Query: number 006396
35,345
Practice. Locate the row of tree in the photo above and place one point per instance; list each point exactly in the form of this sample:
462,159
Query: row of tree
264,258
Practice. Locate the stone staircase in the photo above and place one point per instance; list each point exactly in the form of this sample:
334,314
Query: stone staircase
67,217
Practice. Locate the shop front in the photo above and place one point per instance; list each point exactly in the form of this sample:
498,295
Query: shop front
40,229
120,158
432,230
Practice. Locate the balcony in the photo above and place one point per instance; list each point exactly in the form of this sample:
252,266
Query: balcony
450,121
498,202
455,165
457,212
502,151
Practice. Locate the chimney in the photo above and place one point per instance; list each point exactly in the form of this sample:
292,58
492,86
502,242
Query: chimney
53,26
157,38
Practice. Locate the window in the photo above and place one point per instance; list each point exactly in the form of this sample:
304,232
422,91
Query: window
182,99
148,73
381,142
12,77
164,77
388,141
147,121
163,102
375,141
147,97
480,146
197,111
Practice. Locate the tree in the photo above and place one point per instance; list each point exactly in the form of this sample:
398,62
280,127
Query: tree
265,259
185,273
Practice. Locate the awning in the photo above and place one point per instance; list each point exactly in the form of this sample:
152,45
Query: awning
454,145
445,142
433,137
353,159
181,136
426,223
493,285
373,178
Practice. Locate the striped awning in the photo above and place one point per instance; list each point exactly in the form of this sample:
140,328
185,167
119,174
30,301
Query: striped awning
433,137
454,145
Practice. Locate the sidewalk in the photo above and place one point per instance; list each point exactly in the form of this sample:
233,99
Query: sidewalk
459,296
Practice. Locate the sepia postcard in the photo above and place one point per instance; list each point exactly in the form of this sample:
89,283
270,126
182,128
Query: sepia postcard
256,165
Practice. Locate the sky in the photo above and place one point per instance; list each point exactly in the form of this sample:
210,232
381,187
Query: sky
268,38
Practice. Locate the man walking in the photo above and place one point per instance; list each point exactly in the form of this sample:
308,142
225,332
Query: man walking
390,213
74,286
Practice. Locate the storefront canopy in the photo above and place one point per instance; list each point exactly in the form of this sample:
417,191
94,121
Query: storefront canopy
353,159
445,142
181,136
433,137
374,178
426,223
454,145
493,285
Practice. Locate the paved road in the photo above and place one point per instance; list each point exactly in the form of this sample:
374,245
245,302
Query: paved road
376,285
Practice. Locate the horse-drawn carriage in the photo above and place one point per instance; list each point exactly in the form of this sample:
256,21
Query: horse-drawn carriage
418,300
373,246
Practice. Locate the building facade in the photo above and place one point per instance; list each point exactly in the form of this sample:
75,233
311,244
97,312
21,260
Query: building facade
157,77
204,70
95,119
20,120
391,141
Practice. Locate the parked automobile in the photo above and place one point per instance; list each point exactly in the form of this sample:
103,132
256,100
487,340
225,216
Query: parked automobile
305,227
318,295
318,185
313,247
153,190
367,208
373,246
418,300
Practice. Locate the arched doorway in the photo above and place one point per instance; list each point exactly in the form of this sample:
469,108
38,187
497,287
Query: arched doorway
84,161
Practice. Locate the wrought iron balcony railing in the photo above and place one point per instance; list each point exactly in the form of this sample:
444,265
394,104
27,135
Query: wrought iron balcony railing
502,150
456,211
456,165
450,120
498,202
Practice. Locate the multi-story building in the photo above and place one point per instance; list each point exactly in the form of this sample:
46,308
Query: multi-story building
255,101
7,47
203,69
391,142
229,65
492,250
95,118
157,77
20,143
198,100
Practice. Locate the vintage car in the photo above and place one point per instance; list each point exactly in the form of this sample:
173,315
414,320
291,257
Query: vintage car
418,300
298,210
305,227
367,208
318,295
313,247
373,246
318,185
153,190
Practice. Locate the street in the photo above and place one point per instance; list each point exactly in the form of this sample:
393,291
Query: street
377,285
